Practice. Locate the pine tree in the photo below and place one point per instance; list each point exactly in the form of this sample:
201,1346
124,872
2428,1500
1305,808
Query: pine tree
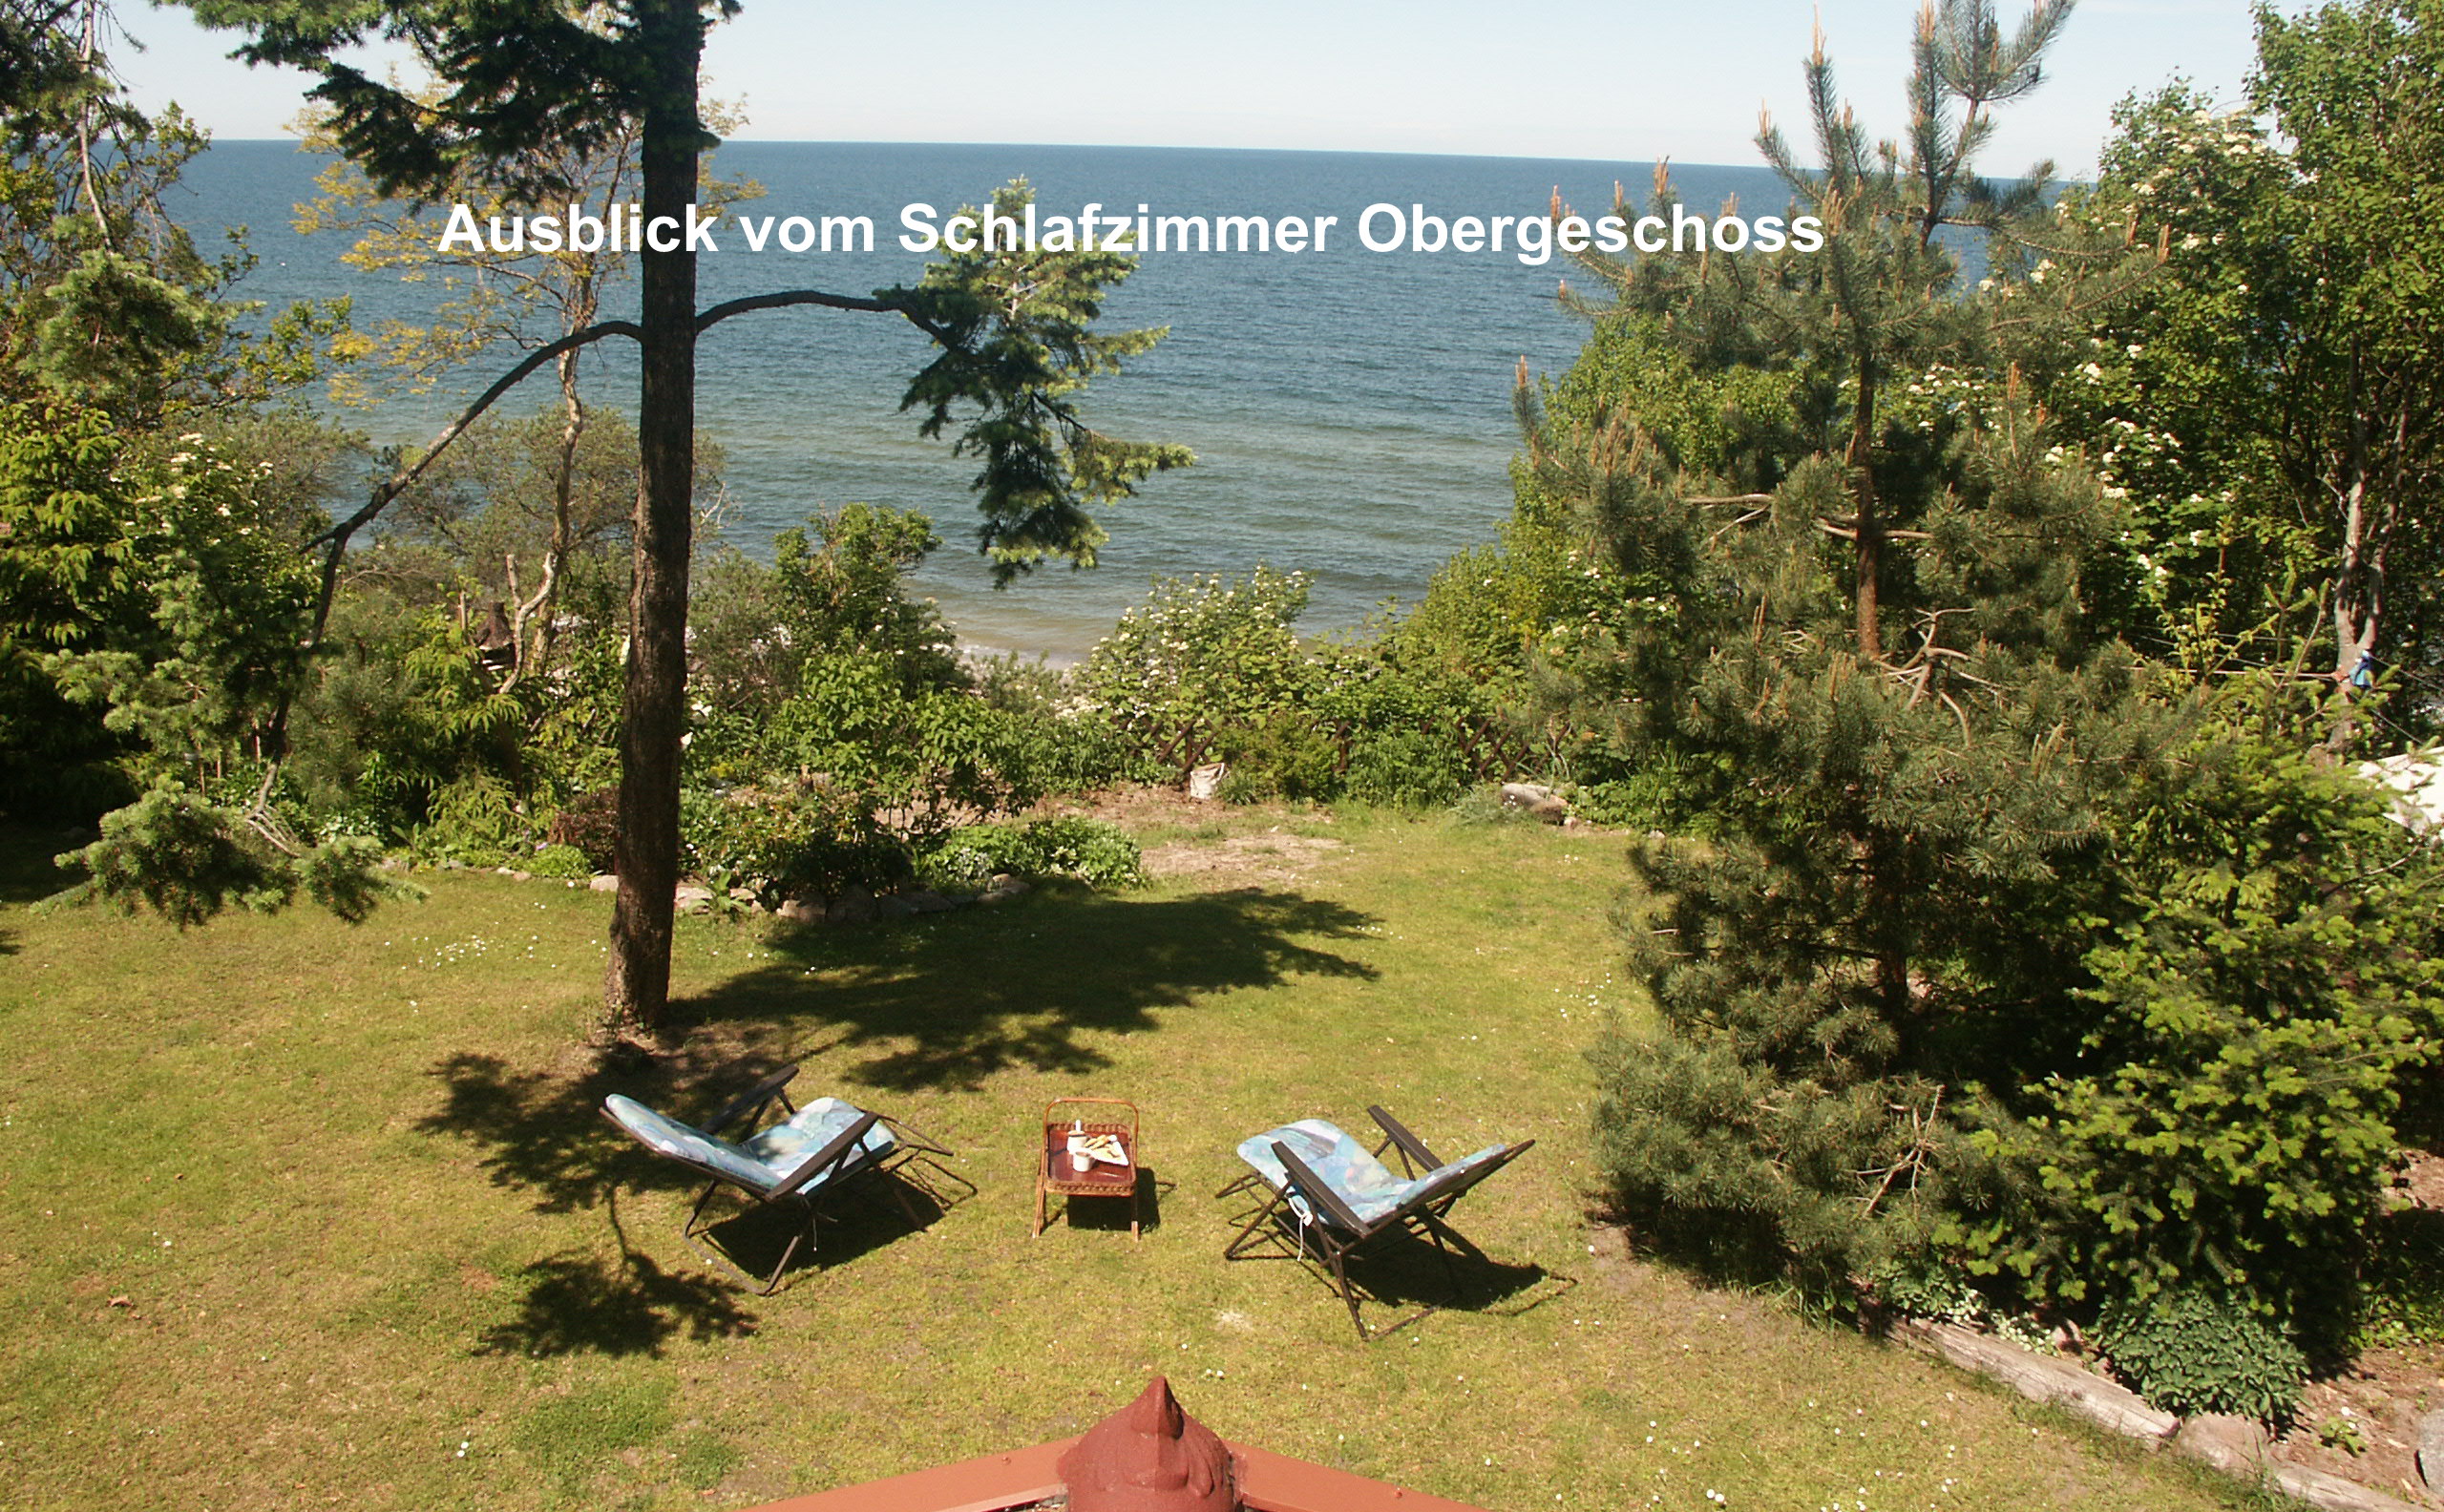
1860,633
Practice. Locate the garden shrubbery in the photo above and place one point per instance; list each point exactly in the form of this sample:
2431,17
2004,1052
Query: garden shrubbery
2022,926
2190,1351
1091,852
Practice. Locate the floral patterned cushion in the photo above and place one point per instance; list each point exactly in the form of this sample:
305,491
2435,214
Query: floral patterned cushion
682,1142
786,1146
1365,1183
766,1160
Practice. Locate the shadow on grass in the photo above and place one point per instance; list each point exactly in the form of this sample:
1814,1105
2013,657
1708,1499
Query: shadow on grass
1714,1246
1101,1214
947,1003
943,1003
582,1303
27,874
864,1217
1408,1275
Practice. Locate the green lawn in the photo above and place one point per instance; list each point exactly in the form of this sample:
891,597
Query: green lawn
293,1213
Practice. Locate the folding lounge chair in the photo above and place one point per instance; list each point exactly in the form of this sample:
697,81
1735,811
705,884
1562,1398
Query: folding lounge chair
816,1153
1327,1196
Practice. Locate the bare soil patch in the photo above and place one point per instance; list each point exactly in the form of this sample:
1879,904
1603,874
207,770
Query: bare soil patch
2382,1396
1245,860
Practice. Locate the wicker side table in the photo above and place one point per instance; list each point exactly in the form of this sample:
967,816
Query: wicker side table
1057,1175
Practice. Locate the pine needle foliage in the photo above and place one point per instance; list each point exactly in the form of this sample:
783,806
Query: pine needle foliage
1861,636
1997,948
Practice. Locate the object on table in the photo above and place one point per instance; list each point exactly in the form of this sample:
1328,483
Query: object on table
1090,1149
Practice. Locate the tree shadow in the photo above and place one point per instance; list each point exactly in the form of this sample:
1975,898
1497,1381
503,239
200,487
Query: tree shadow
1410,1276
27,874
947,1001
581,1303
539,1130
944,1006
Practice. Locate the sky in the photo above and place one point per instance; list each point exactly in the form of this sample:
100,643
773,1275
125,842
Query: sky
1628,81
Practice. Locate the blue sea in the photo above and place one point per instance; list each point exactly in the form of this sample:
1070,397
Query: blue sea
1350,410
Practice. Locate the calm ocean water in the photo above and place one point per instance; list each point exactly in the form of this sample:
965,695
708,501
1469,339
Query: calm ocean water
1350,410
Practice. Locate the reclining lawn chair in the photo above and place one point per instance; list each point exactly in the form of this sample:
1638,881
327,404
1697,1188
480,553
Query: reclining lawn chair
815,1155
1327,1196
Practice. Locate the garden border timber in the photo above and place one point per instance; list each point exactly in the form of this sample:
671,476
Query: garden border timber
2060,1383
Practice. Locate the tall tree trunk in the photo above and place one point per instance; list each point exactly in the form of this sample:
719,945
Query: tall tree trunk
637,992
1870,525
2359,577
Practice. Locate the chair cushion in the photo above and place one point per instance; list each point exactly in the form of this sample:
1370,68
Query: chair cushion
1365,1183
786,1146
683,1141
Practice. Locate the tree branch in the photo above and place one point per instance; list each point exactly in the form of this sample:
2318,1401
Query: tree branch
399,482
723,311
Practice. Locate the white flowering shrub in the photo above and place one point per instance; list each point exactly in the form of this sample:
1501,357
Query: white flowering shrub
1199,657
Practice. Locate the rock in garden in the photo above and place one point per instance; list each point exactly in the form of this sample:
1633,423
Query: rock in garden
1536,800
803,909
692,899
1003,886
925,901
895,905
2430,1450
852,906
604,882
2234,1446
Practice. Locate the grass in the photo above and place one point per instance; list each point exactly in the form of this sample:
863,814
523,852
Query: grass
296,1214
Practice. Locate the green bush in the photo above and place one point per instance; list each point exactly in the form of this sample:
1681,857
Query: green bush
1094,852
788,843
561,863
1199,658
837,586
968,858
931,760
1404,736
1402,768
1920,1286
2229,1115
1284,754
2189,1351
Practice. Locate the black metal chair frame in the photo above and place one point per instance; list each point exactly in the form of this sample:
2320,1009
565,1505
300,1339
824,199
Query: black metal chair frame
1336,1231
840,1166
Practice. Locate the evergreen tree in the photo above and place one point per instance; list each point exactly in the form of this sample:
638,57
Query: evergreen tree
121,351
1013,329
1858,628
1999,947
